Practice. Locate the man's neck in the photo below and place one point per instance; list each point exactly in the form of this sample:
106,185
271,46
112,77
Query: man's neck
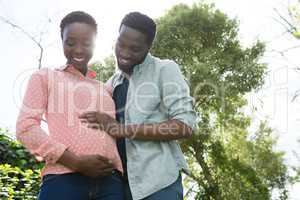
127,74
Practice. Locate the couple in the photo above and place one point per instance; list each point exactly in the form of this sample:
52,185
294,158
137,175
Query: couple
115,141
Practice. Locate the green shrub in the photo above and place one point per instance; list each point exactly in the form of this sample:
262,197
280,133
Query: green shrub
19,171
16,183
13,153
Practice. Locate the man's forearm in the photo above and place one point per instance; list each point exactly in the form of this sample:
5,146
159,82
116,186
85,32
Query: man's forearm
168,130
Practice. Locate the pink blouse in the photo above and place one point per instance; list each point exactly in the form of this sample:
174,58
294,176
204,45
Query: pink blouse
62,95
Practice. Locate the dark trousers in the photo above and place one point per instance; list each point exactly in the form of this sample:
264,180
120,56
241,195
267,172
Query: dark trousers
172,192
74,186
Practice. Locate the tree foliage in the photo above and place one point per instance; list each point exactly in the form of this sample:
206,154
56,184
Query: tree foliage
294,12
17,183
227,160
19,172
291,21
104,69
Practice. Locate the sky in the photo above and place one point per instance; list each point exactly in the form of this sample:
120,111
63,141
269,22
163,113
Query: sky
257,18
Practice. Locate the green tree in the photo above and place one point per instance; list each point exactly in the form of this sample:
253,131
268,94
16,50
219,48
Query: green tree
13,153
291,20
227,160
294,12
104,69
19,171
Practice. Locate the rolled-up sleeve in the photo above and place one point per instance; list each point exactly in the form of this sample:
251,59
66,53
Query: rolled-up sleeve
176,95
28,126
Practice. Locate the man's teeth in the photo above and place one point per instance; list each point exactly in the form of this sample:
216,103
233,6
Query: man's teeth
124,61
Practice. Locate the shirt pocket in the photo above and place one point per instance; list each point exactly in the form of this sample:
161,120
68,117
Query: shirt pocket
146,99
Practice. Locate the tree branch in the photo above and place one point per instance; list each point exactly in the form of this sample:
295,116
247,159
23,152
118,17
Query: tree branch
28,35
291,26
291,48
212,189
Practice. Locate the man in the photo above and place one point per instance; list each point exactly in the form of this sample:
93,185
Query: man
154,109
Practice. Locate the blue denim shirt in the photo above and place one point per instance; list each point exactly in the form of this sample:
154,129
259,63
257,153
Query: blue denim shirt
157,92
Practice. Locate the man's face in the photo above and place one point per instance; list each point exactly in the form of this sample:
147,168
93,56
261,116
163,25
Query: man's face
78,44
131,48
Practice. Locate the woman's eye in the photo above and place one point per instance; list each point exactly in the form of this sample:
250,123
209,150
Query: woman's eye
70,43
88,44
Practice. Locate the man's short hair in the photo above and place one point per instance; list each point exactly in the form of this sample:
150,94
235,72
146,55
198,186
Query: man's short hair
142,23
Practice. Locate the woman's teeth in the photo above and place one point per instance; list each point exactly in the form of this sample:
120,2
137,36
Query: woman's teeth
78,59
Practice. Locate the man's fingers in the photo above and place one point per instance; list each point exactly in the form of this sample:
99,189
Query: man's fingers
88,120
91,119
83,115
91,113
87,114
93,125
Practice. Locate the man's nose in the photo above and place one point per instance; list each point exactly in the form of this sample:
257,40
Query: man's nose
124,53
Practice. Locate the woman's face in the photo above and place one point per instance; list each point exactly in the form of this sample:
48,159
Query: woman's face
78,44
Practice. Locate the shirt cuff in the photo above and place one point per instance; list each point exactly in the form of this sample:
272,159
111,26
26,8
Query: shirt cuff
53,154
189,119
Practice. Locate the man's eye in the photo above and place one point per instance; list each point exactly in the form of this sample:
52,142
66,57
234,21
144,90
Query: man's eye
120,45
136,49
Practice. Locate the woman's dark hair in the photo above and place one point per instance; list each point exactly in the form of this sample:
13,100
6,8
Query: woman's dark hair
77,16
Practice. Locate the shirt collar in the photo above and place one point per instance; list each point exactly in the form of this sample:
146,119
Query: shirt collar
146,61
70,68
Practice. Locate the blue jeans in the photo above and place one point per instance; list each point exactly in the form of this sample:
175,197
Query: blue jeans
74,186
172,192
